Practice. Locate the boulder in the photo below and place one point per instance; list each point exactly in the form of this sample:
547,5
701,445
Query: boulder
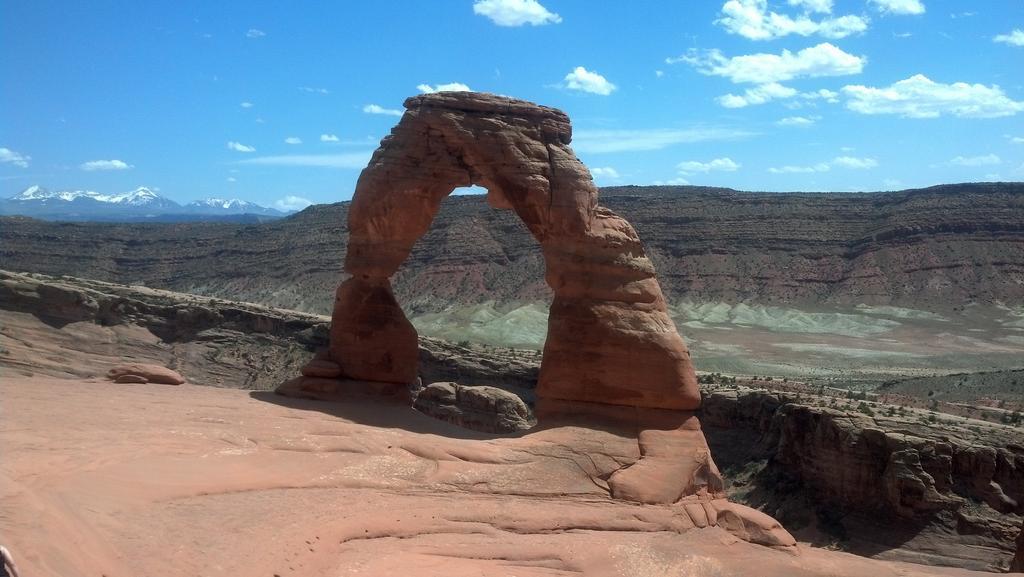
151,373
480,408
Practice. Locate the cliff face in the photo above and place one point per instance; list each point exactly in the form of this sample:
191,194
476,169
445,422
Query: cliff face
891,487
1018,561
936,248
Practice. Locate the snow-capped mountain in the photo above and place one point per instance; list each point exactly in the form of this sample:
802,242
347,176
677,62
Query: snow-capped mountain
230,206
141,196
140,204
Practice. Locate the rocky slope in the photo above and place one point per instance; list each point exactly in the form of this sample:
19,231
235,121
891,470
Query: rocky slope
948,492
70,327
890,486
935,249
1018,561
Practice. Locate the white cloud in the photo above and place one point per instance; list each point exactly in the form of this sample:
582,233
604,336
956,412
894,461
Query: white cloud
1013,139
796,121
898,6
849,162
920,97
789,169
586,81
986,160
756,95
347,160
515,12
604,172
450,87
854,163
816,61
823,94
619,140
314,90
823,6
239,147
231,179
375,109
329,138
1015,38
751,19
255,33
246,105
293,140
8,156
291,202
114,164
680,181
716,165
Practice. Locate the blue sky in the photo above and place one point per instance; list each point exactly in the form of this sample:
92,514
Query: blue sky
282,102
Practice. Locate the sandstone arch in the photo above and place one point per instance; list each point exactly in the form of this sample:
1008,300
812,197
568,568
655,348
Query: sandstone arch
612,356
610,339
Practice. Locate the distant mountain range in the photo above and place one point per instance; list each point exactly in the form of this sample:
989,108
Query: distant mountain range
139,205
935,249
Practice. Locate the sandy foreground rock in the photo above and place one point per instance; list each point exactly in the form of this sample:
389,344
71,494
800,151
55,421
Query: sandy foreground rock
127,480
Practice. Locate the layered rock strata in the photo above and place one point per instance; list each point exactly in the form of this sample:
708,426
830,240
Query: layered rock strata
1018,561
892,485
925,249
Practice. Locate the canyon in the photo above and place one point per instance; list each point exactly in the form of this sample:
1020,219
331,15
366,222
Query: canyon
833,286
941,248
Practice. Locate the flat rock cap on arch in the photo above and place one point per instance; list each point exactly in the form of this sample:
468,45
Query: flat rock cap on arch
483,102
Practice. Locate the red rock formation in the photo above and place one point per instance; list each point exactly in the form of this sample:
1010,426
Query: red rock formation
612,352
610,339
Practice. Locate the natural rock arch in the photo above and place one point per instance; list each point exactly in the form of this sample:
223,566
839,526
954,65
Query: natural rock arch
612,357
610,339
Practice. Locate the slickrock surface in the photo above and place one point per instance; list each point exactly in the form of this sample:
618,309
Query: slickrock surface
102,479
609,340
